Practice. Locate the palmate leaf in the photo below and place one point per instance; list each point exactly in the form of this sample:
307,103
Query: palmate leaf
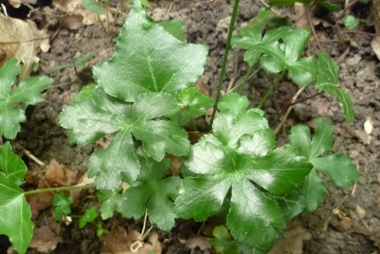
153,193
89,120
241,152
15,221
148,59
27,92
327,80
280,49
190,103
337,166
61,204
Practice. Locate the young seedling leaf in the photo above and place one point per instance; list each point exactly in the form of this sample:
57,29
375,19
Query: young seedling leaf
176,28
278,56
146,3
220,165
337,166
111,202
88,121
27,92
233,103
148,59
89,216
190,103
250,37
327,80
152,192
61,205
280,49
16,222
11,165
222,241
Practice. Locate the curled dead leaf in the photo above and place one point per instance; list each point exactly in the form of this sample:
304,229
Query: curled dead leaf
59,175
21,39
291,241
44,239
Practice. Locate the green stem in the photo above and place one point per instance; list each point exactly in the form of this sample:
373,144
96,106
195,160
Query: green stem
270,90
245,79
225,57
65,188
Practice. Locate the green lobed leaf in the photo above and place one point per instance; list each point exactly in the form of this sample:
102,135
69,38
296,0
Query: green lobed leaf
222,241
176,28
279,56
27,92
327,80
61,204
149,59
11,165
339,168
8,76
253,215
233,103
16,222
313,189
350,22
90,120
190,103
152,192
111,202
292,203
238,158
115,164
89,216
87,122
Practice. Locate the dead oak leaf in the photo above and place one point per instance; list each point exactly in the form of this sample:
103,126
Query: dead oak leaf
21,39
44,239
59,175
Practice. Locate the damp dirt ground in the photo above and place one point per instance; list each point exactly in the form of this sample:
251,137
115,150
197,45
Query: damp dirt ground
347,222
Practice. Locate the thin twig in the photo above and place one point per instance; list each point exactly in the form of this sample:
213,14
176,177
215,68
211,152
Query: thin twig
272,10
312,29
170,7
34,158
288,110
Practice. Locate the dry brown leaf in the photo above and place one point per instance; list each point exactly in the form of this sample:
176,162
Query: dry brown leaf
59,175
17,3
76,7
71,21
201,84
119,241
40,201
21,39
175,164
44,239
193,241
291,241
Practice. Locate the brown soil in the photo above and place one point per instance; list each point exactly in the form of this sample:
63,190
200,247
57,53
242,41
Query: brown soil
207,23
